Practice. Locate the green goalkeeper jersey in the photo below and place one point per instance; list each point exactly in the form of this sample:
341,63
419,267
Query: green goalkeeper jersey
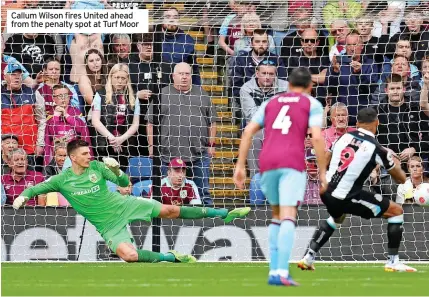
88,194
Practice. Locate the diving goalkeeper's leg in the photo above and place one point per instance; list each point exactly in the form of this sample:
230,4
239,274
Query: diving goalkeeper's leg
127,252
187,212
395,220
320,237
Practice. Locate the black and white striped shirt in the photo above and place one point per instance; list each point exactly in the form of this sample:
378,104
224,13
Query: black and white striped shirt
354,156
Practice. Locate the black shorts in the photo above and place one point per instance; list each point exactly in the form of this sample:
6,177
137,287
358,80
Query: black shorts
366,205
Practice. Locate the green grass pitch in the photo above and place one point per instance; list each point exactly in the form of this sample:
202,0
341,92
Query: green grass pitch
205,279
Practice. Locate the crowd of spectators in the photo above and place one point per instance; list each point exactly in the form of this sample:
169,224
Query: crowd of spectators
102,88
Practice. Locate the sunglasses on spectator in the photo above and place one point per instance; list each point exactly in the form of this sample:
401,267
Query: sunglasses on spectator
339,30
309,40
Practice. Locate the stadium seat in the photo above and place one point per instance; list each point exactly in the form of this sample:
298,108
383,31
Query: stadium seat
255,193
111,186
142,188
140,169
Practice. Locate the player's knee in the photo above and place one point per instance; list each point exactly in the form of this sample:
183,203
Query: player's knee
169,211
129,256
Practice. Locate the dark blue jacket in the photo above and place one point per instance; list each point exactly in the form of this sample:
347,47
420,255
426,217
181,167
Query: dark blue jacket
177,48
245,68
354,89
25,96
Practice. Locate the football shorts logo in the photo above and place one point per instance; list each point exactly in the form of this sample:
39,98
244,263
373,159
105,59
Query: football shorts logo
93,177
183,194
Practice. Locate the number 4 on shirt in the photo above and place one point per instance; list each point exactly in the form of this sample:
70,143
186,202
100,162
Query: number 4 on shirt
282,120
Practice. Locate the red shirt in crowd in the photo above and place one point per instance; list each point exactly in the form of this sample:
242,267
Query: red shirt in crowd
187,194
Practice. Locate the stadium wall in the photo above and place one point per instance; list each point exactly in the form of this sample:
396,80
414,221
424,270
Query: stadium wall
53,234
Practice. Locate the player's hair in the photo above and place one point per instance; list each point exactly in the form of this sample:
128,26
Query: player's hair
300,77
367,115
58,87
258,32
19,151
75,144
394,78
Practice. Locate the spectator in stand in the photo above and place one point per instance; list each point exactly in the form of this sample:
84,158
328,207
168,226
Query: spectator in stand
176,189
414,32
26,78
95,78
3,196
341,9
389,17
401,67
32,50
177,47
44,93
143,73
230,30
339,30
260,88
354,75
121,46
340,124
126,191
309,56
292,46
21,178
249,23
65,124
245,63
405,192
9,142
116,117
423,122
374,47
187,128
22,114
396,130
78,44
402,48
56,165
312,194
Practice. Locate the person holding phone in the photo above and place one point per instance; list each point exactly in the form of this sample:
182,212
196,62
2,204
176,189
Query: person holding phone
354,75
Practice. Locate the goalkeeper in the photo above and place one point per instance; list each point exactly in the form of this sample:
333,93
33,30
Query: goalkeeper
84,186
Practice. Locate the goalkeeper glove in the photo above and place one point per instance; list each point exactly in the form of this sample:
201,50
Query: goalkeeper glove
113,165
20,201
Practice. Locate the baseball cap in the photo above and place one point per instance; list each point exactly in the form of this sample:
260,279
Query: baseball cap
177,163
9,136
11,68
310,154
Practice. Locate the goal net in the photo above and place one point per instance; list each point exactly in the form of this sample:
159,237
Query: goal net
131,97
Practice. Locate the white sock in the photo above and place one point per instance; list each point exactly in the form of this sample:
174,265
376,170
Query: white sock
310,256
393,258
283,273
273,273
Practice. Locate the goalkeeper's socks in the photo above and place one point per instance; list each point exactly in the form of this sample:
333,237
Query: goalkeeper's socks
273,233
152,257
285,245
187,212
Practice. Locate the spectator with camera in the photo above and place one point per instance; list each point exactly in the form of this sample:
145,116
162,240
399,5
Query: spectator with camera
354,76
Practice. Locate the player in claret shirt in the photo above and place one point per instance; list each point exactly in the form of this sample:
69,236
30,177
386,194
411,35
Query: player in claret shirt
285,118
84,186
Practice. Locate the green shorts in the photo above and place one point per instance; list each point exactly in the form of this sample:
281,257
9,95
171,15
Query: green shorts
135,209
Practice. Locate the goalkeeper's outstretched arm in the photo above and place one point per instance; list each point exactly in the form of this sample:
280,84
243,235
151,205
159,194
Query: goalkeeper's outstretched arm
50,185
110,170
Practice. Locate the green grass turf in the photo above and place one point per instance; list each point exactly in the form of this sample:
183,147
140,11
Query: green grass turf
205,279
